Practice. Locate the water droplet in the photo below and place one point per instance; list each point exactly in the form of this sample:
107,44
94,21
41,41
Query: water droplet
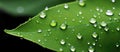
62,42
42,15
91,49
63,26
97,9
118,29
113,8
20,9
109,13
119,14
53,23
103,24
92,20
66,6
95,25
94,35
46,8
88,43
39,40
93,43
73,19
39,31
80,12
72,48
81,3
106,28
60,49
113,1
117,45
79,36
69,44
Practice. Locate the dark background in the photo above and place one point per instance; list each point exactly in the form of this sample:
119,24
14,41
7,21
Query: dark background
12,43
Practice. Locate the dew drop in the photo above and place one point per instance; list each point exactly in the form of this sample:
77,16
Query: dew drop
39,40
92,20
119,14
97,9
79,36
46,8
80,12
95,25
117,45
42,15
113,1
63,26
106,28
66,6
118,29
103,24
39,31
60,49
53,23
91,49
20,9
72,48
94,35
93,43
62,42
109,13
81,3
88,43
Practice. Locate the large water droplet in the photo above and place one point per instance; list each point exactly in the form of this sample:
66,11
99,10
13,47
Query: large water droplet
42,15
94,35
66,6
79,36
103,24
109,13
53,23
62,42
92,20
72,48
63,26
39,31
91,49
113,1
81,3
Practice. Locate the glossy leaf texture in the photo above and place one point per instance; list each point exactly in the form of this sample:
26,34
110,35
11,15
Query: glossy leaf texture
28,7
80,26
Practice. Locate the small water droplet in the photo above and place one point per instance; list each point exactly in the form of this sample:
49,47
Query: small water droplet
39,31
60,49
95,25
101,10
20,9
113,1
66,6
88,43
93,43
106,28
97,9
62,42
80,12
42,15
113,8
49,30
46,8
103,24
119,14
63,26
117,45
109,13
53,23
69,44
118,29
39,40
79,36
72,48
94,35
73,20
91,49
81,3
92,20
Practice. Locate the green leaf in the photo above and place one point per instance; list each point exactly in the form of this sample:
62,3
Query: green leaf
82,27
25,7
